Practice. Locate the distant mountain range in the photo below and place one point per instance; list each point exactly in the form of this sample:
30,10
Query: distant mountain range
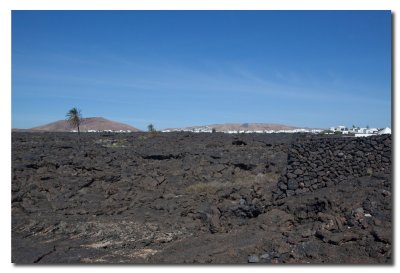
241,127
92,123
102,124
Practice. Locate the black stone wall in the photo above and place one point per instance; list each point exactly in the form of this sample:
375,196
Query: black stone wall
318,163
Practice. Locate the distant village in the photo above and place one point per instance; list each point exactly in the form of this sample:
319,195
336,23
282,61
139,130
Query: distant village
339,130
359,132
104,131
208,129
354,131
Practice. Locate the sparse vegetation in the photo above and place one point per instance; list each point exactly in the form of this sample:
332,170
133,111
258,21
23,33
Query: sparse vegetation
109,143
152,130
201,187
241,181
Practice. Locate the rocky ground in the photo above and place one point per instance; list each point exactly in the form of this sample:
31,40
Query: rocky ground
186,198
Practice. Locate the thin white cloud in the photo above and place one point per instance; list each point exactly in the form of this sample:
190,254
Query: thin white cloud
233,80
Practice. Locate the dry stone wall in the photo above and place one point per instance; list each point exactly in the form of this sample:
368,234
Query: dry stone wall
314,164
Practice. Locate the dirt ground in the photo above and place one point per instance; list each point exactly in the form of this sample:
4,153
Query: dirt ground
186,198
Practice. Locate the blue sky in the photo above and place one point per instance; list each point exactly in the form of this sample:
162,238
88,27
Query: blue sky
183,68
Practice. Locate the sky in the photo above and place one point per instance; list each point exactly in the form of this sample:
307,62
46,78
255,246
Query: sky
182,68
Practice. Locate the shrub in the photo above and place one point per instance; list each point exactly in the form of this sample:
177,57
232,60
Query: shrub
201,187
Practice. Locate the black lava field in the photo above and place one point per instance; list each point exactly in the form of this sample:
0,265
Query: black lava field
172,198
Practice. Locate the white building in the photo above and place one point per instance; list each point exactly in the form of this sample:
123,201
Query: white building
385,131
360,132
363,135
372,131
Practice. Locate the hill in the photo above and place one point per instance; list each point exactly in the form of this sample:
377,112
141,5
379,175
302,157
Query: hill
92,123
242,127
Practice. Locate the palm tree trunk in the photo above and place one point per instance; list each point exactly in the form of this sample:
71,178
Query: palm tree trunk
79,136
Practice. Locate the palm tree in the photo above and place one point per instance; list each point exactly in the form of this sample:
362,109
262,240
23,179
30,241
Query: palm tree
74,118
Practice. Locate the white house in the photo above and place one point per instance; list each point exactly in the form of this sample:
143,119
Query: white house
316,131
385,131
339,128
372,131
362,135
362,130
